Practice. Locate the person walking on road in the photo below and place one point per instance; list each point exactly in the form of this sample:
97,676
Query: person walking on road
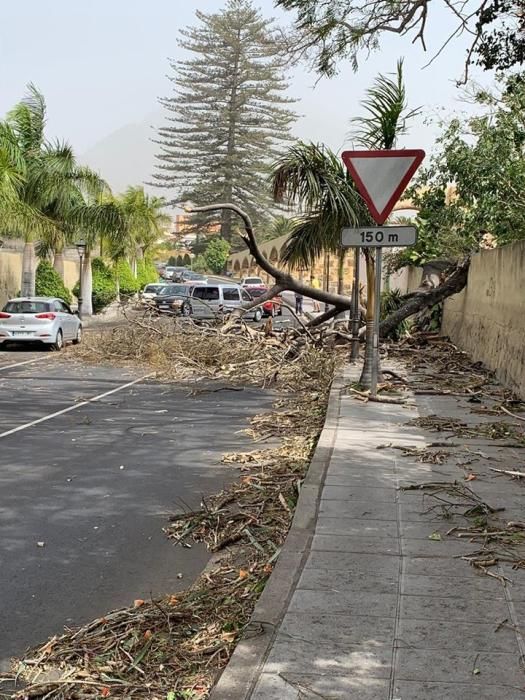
298,303
316,285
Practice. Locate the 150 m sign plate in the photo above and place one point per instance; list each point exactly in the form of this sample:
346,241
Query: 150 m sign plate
385,236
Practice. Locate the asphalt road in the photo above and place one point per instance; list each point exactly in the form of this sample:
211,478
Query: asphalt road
95,482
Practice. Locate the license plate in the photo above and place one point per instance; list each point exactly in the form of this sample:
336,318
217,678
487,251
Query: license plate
17,333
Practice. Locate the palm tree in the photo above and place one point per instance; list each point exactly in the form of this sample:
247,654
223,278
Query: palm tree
146,221
95,220
314,178
50,182
385,120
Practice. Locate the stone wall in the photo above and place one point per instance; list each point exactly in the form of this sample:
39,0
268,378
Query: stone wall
11,271
488,318
10,274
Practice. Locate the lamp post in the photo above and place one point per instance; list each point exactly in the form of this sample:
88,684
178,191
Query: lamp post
81,248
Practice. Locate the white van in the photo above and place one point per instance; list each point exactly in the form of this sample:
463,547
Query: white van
212,300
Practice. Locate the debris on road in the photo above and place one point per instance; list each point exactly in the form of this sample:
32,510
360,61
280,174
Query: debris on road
176,647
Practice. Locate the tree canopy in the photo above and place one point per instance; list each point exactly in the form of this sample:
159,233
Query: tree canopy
472,193
333,31
228,115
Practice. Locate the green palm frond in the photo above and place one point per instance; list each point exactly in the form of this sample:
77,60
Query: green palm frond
313,177
386,117
28,120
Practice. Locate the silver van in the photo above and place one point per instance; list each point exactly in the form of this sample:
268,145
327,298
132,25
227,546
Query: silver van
213,300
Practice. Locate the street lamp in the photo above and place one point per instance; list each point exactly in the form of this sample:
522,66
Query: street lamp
81,248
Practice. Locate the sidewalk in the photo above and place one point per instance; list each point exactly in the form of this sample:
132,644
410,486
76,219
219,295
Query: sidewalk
370,599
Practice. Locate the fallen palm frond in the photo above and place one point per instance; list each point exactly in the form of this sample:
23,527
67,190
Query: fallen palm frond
174,648
453,496
498,430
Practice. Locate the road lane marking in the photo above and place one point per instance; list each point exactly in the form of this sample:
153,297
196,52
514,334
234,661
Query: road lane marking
25,362
75,406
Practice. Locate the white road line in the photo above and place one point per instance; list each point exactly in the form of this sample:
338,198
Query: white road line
25,362
74,407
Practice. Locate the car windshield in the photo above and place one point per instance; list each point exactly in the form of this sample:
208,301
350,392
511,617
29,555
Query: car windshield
252,280
26,307
153,288
174,289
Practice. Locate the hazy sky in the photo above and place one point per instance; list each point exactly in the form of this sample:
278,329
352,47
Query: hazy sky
102,64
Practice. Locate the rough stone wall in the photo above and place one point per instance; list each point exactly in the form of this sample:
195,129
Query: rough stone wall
488,318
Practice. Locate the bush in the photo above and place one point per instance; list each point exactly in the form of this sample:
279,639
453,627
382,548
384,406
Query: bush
128,283
146,273
48,282
172,261
199,264
104,286
216,255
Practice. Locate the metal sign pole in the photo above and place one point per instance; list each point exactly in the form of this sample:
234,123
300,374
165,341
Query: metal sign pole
377,315
356,307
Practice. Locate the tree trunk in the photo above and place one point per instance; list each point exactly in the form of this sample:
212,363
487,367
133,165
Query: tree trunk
341,271
87,285
425,298
366,373
226,215
28,269
58,263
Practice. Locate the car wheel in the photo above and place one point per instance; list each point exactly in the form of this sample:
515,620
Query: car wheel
186,310
59,342
78,338
257,315
280,310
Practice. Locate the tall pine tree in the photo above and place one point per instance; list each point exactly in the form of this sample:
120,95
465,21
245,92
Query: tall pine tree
228,114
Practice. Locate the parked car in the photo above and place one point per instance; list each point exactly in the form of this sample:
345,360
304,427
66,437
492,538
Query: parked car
173,298
188,276
211,300
272,307
252,282
171,270
47,320
150,291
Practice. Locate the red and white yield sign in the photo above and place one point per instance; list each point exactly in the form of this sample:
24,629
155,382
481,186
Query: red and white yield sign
382,176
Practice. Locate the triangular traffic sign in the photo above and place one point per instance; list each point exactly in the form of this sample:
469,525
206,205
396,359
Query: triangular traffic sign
382,176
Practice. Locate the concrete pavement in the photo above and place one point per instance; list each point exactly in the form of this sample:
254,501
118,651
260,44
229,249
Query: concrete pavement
370,599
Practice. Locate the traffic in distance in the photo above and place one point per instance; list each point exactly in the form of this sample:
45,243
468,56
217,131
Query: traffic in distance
190,294
50,321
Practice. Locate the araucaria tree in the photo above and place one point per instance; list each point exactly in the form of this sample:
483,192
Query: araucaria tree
228,114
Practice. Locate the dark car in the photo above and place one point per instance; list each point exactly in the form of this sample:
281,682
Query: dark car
174,299
188,276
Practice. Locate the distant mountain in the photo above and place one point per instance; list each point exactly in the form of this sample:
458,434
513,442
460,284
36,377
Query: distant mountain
127,156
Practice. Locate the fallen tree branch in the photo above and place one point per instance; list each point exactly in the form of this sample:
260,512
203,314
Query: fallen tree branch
454,283
508,472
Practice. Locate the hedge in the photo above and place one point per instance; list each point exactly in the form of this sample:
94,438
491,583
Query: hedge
146,273
48,282
128,283
104,286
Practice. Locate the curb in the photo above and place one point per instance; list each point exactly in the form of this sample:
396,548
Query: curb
241,674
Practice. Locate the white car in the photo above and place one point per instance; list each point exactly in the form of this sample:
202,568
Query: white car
150,291
252,282
47,320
